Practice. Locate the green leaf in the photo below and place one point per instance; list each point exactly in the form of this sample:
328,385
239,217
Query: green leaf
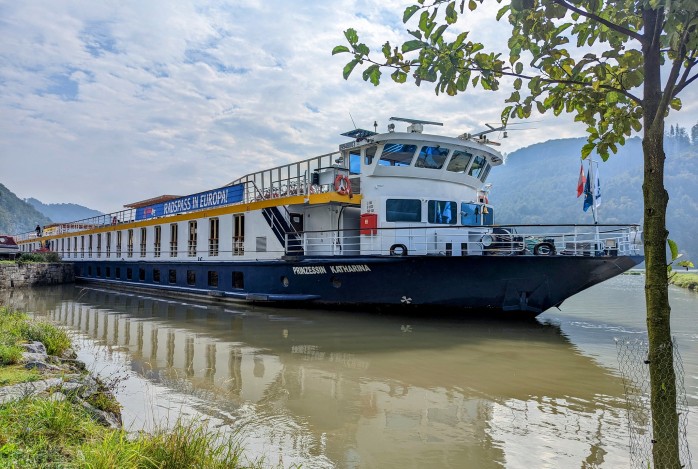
518,68
674,248
351,36
348,68
612,97
409,46
409,11
372,74
675,104
586,149
339,50
399,76
502,11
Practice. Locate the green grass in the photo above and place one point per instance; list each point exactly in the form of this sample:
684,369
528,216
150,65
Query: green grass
17,328
15,374
40,433
689,281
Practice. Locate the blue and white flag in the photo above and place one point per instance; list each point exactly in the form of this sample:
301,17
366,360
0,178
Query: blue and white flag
598,187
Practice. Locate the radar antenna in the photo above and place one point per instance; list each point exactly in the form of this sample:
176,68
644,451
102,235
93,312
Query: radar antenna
416,126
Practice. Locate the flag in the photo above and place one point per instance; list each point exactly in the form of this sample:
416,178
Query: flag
588,198
581,181
598,187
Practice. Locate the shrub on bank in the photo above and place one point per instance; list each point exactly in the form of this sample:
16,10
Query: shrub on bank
16,328
39,257
689,281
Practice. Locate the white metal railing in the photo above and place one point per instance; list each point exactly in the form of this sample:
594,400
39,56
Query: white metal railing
546,240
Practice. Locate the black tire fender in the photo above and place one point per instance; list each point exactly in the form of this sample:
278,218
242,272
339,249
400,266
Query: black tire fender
544,249
398,250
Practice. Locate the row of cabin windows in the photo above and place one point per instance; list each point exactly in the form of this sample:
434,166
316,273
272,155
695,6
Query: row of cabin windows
237,279
440,212
94,242
428,157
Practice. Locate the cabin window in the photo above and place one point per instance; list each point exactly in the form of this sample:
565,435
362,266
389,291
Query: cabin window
156,275
172,276
442,212
486,172
117,273
89,270
99,271
354,162
173,240
459,161
118,243
158,240
403,210
107,273
369,154
141,274
431,157
213,237
472,214
99,244
75,246
82,246
191,277
108,244
212,278
238,235
192,239
397,154
89,246
477,167
129,273
238,280
144,234
129,245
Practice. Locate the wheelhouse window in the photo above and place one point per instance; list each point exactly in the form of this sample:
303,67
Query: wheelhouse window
432,157
354,162
192,239
397,154
459,161
476,214
144,234
477,167
369,154
213,237
173,240
403,210
129,246
238,235
442,212
158,240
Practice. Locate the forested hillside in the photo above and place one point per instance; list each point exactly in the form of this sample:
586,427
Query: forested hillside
60,213
17,216
538,184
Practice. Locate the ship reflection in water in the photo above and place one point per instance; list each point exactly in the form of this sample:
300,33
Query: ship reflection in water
333,389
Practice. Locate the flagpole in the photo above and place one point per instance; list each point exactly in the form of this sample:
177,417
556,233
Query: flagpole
592,188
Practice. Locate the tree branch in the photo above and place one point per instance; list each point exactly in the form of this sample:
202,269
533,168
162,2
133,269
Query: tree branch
615,27
684,81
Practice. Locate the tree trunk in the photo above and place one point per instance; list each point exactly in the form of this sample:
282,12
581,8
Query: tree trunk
665,420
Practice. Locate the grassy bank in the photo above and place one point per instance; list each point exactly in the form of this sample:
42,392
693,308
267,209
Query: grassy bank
51,429
689,281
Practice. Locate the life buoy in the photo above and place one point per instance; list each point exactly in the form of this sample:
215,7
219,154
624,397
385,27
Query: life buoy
342,186
544,249
398,250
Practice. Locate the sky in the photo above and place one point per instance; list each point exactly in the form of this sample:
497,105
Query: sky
111,102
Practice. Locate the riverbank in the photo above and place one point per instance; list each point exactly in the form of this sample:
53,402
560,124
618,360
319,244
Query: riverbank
689,280
35,270
54,412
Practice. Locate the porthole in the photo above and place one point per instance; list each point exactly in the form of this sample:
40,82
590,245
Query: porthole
336,282
284,281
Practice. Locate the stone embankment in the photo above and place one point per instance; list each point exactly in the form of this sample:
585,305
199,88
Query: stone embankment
64,378
32,274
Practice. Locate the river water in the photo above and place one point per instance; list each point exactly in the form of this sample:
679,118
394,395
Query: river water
327,389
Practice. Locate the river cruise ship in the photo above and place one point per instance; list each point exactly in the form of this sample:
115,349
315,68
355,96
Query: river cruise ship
400,219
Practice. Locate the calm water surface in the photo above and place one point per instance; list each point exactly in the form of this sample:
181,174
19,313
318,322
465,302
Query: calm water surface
326,389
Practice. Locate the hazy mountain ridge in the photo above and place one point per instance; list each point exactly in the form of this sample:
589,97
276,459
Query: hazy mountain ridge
17,216
64,212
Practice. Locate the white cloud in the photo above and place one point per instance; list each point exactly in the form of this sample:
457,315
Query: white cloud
105,103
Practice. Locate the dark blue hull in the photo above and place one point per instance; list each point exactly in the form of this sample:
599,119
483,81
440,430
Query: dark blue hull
518,284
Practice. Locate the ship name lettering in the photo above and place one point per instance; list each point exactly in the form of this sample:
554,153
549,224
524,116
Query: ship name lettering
312,270
342,269
213,198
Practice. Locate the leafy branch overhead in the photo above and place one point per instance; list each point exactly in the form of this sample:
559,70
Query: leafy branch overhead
598,77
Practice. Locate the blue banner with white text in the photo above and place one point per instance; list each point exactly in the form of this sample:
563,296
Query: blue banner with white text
209,199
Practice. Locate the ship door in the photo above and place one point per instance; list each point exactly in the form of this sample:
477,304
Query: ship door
297,222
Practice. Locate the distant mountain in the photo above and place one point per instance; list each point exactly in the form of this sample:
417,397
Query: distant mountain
60,213
538,184
17,216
